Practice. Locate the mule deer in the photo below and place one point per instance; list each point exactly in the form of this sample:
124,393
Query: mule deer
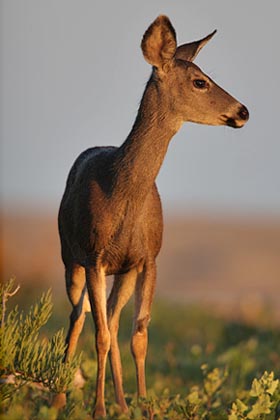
110,218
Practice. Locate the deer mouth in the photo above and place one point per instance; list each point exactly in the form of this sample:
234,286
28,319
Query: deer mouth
231,122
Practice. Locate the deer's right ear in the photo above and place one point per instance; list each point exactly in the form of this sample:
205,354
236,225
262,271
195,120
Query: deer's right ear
159,43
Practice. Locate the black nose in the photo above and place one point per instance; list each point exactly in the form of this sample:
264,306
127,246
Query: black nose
243,113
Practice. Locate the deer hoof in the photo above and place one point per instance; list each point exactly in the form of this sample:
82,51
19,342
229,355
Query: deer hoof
59,401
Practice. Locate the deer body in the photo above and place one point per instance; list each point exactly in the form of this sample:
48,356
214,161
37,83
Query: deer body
120,232
110,218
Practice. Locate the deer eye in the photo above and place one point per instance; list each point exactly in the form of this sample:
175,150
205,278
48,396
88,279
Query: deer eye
200,84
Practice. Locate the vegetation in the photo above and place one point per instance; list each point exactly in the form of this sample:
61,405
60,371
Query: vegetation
199,366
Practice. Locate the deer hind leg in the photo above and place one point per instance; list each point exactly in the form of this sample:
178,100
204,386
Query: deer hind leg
144,293
76,290
77,293
121,292
96,284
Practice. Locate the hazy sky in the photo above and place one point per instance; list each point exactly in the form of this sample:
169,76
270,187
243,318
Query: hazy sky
72,75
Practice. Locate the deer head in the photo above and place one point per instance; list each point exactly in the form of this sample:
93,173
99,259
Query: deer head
190,93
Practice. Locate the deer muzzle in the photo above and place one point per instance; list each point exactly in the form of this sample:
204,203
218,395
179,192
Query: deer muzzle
240,119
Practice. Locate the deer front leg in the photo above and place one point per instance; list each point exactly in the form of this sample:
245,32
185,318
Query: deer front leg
96,284
144,293
122,290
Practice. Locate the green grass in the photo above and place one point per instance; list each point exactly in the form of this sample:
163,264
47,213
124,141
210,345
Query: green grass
198,366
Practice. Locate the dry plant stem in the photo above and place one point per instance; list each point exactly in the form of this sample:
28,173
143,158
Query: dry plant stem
6,296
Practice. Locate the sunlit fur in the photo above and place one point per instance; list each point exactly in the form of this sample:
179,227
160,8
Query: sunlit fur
110,218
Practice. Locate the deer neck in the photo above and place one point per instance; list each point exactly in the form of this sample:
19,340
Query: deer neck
140,157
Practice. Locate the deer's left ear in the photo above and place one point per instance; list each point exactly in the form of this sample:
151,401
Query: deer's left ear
188,52
159,43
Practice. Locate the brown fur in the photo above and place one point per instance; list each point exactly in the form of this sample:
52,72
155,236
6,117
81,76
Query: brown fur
110,218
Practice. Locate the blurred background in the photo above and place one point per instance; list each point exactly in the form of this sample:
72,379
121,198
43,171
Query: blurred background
72,76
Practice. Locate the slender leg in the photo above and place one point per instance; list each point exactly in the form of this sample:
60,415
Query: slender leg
144,293
76,290
122,290
96,284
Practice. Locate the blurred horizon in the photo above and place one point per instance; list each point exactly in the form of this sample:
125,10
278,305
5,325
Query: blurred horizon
228,265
